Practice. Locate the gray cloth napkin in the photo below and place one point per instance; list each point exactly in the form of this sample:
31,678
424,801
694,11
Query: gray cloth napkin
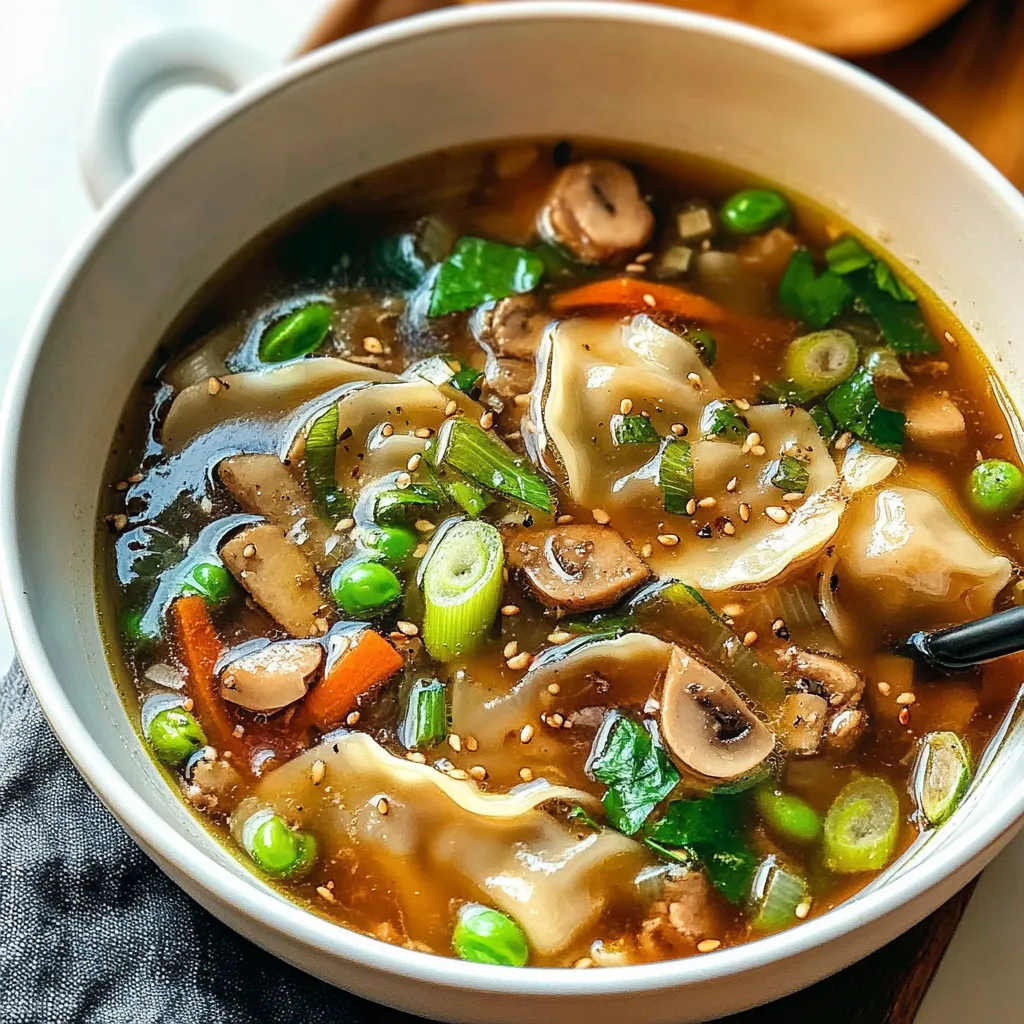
92,932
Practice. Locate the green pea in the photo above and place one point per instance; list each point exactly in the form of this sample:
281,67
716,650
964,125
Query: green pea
209,580
996,486
131,623
394,543
175,735
788,816
365,587
281,850
297,334
754,210
487,936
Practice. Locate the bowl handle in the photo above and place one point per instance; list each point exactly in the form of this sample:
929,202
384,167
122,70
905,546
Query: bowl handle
139,72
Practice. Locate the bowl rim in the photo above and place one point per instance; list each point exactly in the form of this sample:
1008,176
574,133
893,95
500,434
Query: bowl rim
268,910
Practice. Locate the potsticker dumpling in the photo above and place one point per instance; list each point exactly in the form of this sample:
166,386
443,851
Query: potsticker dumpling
907,558
426,840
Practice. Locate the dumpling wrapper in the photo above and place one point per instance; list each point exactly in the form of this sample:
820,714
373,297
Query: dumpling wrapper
908,557
443,839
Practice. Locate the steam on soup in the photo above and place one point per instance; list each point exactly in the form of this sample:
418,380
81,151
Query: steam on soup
507,559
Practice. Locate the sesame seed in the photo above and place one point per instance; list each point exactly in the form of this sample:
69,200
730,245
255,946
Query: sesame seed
691,506
793,496
556,721
416,757
708,945
949,337
695,379
118,522
526,733
249,550
758,450
559,637
238,731
843,441
420,551
649,300
206,505
668,540
522,400
387,430
520,661
635,268
601,517
554,689
478,772
732,610
213,385
779,626
906,697
414,462
678,429
382,806
373,345
802,909
402,481
188,704
511,649
425,526
708,502
325,893
777,514
742,404
121,485
525,774
487,420
455,742
514,436
884,689
470,743
583,963
135,478
904,716
749,638
459,773
509,610
744,512
344,524
317,772
732,484
626,406
562,520
352,718
647,550
423,433
451,407
728,529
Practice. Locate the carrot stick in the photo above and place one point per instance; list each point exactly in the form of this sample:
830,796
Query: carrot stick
200,648
638,295
368,661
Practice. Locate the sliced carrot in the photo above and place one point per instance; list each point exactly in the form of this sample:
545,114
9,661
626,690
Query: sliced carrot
368,661
200,648
637,295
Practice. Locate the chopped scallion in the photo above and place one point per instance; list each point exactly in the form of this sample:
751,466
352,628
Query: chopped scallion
320,458
790,475
675,474
396,504
862,826
775,894
940,777
425,722
724,421
633,430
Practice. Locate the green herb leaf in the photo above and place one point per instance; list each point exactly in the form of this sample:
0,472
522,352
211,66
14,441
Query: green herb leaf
638,773
847,255
467,380
900,320
675,474
786,392
790,475
824,422
320,458
297,334
580,815
705,343
425,722
480,271
396,504
814,300
855,406
889,282
633,430
724,421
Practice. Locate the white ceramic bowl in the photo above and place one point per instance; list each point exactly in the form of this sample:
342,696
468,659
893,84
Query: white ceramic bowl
630,73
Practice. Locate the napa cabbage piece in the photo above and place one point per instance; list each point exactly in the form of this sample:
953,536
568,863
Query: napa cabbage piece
443,840
265,394
907,555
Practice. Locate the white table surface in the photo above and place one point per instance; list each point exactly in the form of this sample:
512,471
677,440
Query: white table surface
50,55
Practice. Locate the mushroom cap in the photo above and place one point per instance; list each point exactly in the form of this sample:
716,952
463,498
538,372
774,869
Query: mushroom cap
271,677
707,725
578,567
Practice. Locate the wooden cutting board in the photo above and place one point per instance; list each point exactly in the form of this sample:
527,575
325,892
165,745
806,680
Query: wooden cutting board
970,72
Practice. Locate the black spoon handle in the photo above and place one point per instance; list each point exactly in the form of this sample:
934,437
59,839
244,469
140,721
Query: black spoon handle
962,647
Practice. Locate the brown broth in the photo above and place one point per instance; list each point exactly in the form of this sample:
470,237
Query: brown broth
466,188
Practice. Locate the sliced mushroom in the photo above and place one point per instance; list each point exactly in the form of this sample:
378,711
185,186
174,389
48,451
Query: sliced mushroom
265,486
596,212
512,327
272,677
579,568
278,575
934,422
707,726
843,685
802,721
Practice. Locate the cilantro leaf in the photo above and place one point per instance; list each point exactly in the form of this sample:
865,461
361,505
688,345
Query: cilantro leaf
899,318
847,255
889,282
479,271
637,772
814,300
855,406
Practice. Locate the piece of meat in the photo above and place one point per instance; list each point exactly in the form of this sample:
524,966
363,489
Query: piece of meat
271,677
843,685
215,786
512,327
934,422
263,485
767,255
693,908
802,721
577,567
596,212
280,578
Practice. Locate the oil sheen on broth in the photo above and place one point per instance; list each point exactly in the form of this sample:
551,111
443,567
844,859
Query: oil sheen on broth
504,556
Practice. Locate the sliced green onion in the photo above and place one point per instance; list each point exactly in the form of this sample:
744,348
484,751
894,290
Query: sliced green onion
723,420
787,815
277,848
633,430
847,255
462,585
675,474
467,496
862,826
486,936
855,406
775,894
754,210
297,334
396,504
320,460
820,361
485,460
941,776
824,422
425,722
816,300
790,475
704,342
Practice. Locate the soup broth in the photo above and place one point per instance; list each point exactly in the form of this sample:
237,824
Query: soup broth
506,556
